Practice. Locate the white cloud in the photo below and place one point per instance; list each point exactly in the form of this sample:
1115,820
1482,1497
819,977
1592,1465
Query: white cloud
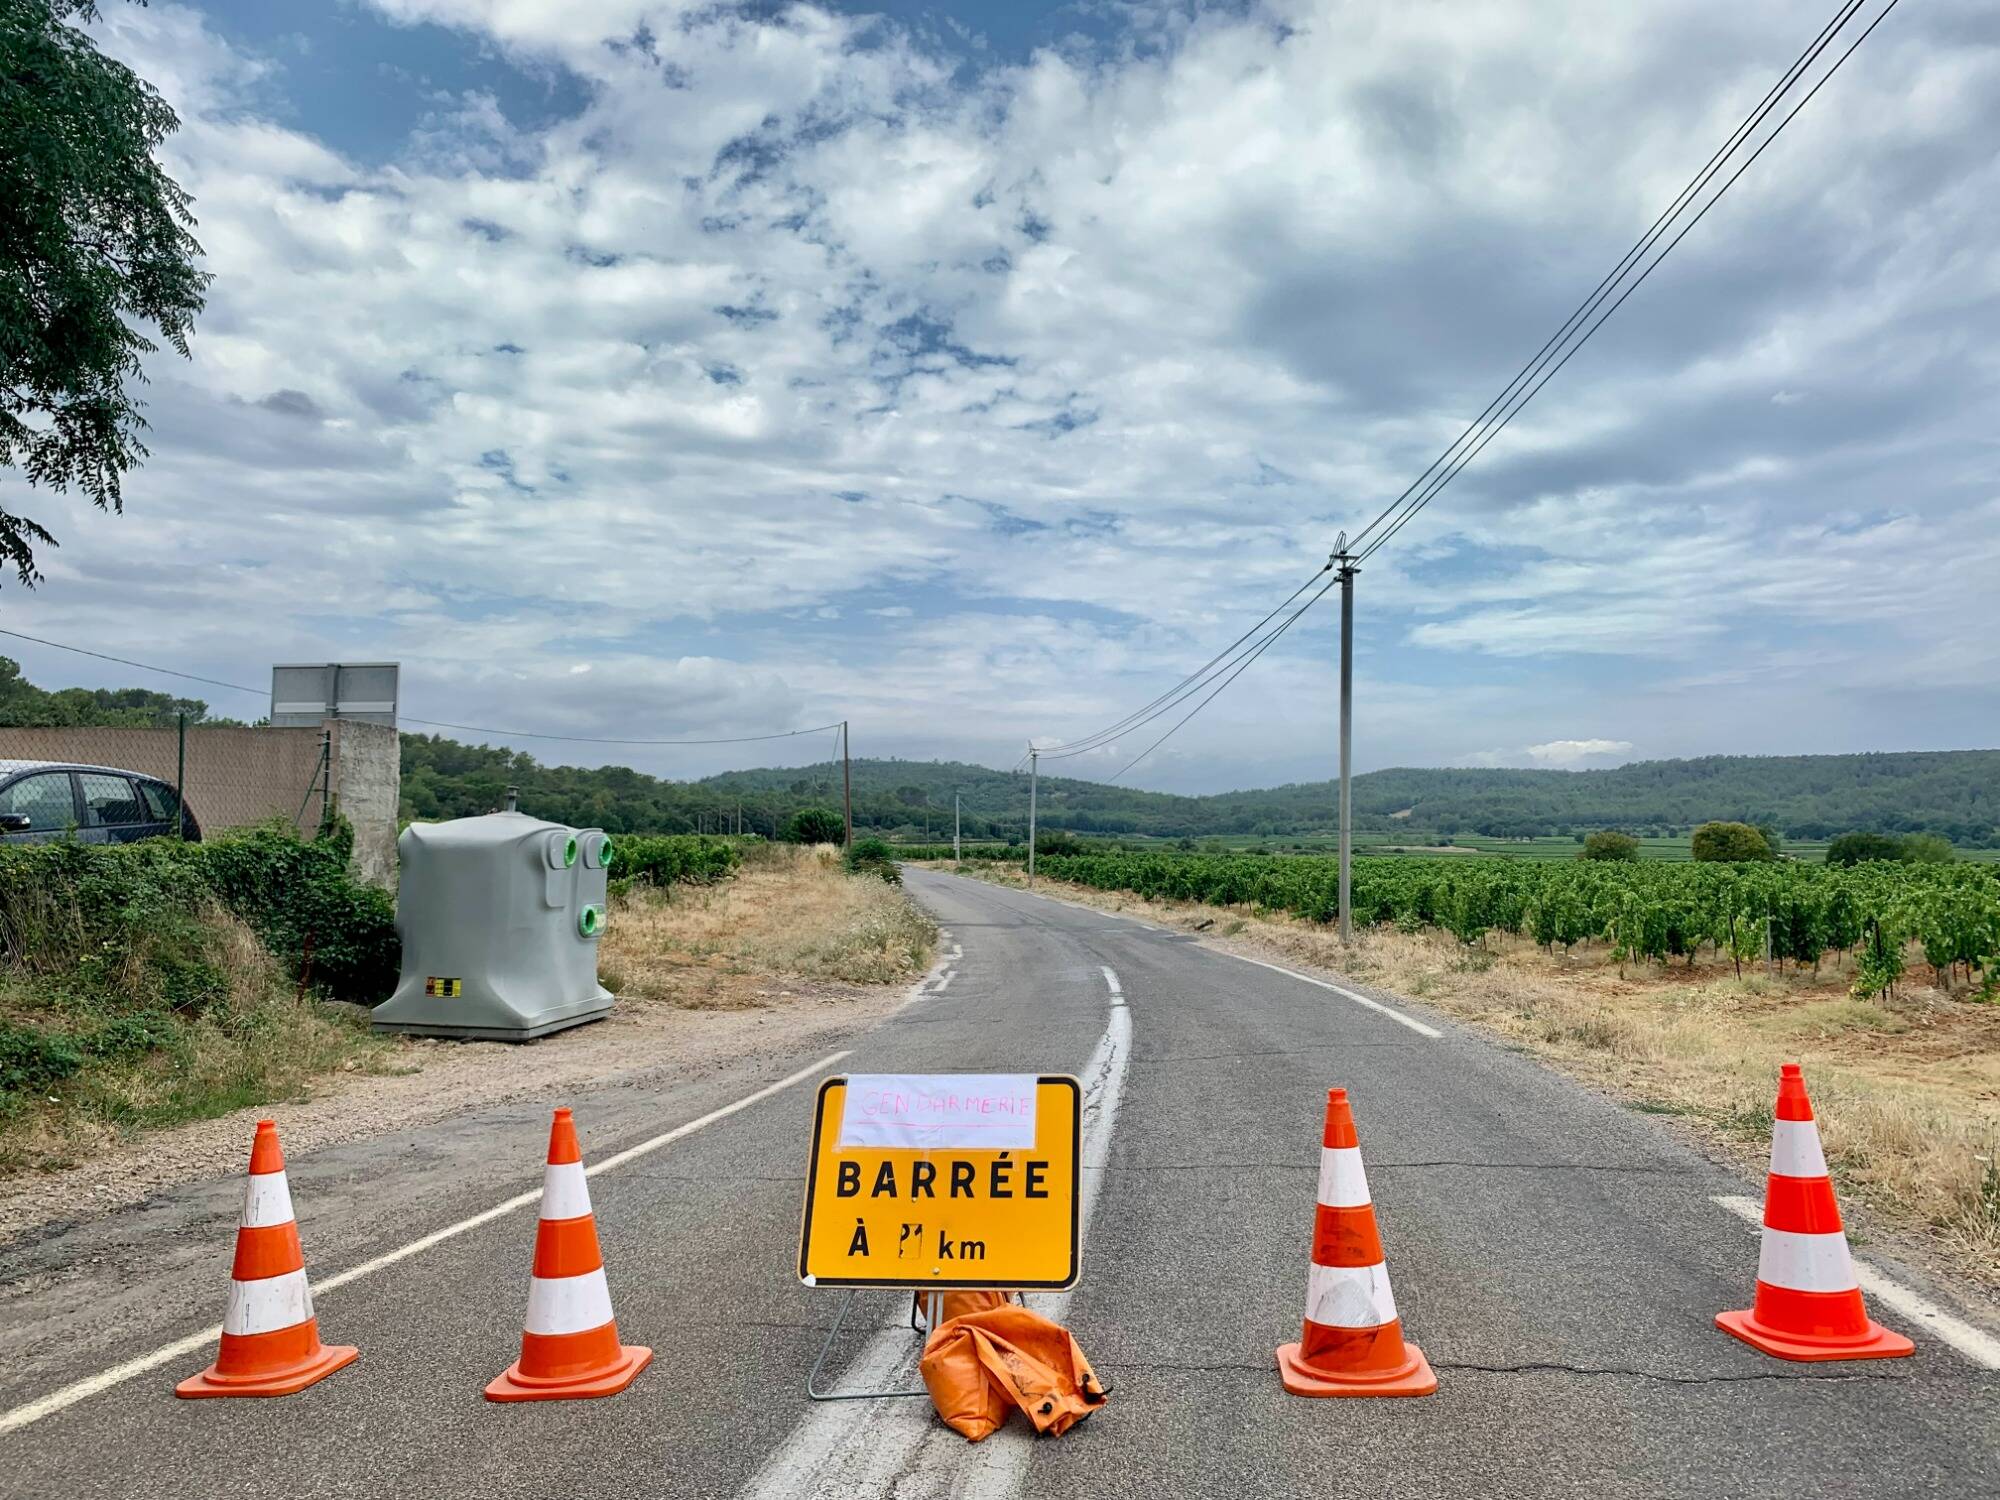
1569,752
795,318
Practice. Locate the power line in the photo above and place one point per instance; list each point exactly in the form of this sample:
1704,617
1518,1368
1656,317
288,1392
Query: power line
1514,396
1639,246
1262,647
584,739
518,734
142,666
1177,694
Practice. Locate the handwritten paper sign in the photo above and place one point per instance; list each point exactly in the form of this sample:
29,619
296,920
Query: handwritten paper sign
956,1180
933,1111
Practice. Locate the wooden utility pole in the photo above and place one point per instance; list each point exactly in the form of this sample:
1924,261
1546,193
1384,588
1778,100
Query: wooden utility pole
954,831
846,786
1346,576
1034,774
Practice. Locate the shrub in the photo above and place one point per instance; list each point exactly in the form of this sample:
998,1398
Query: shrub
329,930
1610,844
873,856
32,1060
1927,849
1860,848
673,859
1730,843
815,825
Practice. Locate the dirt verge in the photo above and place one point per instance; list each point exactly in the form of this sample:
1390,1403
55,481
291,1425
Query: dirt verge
705,976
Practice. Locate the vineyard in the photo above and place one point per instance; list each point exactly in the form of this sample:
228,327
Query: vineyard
673,859
1880,912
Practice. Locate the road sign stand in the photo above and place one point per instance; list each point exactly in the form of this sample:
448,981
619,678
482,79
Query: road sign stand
932,1303
930,1300
936,1183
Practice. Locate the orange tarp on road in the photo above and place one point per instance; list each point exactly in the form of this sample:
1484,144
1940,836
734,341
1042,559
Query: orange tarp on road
978,1365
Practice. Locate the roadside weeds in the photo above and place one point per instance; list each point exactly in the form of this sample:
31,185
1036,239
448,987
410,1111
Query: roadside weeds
791,952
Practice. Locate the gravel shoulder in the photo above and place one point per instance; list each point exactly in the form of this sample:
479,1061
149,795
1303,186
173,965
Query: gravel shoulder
432,1080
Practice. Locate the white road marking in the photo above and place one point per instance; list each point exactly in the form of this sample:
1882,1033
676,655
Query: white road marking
942,972
104,1380
898,1447
1342,990
1391,1012
1975,1344
1000,1464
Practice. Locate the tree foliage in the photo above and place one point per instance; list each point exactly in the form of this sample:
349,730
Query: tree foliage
1927,849
96,244
1859,848
1608,843
1730,843
25,706
815,825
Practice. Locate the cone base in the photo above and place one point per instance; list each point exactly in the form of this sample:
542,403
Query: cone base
1876,1343
1412,1377
511,1386
284,1382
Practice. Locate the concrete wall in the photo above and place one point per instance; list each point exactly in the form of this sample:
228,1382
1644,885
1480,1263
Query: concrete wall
237,777
367,789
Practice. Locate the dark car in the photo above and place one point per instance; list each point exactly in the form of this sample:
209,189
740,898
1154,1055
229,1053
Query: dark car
42,801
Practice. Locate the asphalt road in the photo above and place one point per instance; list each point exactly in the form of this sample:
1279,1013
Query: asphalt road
1558,1258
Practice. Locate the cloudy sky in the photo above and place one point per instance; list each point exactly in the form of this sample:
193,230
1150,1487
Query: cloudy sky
974,370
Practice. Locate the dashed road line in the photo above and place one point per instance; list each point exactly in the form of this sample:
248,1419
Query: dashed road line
1339,989
104,1380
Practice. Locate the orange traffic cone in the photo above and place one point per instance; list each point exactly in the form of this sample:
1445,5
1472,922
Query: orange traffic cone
570,1346
270,1338
1353,1343
1808,1304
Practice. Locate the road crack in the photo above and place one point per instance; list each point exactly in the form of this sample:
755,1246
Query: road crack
1552,1367
1537,1367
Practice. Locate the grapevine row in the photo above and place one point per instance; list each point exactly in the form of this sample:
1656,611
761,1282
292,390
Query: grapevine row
1645,911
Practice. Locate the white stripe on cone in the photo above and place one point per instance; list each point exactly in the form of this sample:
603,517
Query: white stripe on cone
267,1202
568,1304
1805,1262
270,1304
1342,1182
1795,1150
565,1191
1349,1296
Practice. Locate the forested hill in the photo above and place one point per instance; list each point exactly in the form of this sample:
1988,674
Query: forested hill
1954,793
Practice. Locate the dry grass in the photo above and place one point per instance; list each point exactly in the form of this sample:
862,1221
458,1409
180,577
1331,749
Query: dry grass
790,914
1907,1093
255,1043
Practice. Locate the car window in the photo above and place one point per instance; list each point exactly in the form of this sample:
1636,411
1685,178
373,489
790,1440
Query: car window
159,801
108,801
44,798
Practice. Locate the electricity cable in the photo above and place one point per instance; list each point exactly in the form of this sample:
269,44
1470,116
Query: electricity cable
1410,509
1264,646
1181,691
519,734
1636,252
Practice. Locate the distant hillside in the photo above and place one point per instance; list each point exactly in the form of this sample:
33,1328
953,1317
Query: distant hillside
1952,792
1955,793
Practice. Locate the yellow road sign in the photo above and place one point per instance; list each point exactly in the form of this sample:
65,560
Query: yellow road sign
943,1180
